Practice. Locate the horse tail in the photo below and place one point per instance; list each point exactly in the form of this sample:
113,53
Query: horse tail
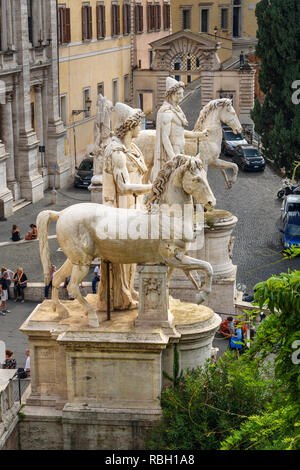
43,221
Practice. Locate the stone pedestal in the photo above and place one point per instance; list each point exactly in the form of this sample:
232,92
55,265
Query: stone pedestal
99,388
96,189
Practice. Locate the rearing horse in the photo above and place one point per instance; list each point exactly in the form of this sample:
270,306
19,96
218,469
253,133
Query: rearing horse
210,118
125,236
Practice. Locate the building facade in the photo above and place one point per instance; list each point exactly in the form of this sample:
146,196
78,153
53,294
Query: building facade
31,131
95,55
231,22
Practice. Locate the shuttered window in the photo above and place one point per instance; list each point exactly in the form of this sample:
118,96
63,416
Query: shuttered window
166,15
157,17
126,18
64,25
151,15
87,25
139,24
115,20
101,24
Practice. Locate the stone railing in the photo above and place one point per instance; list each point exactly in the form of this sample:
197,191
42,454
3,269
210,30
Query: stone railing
9,409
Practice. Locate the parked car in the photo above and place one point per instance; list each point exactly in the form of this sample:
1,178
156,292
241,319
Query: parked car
291,230
231,140
248,158
291,203
84,173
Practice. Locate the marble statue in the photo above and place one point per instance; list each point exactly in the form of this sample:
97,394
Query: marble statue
102,135
170,127
123,171
87,231
207,145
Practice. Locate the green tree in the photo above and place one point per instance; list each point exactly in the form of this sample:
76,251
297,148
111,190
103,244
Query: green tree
278,337
277,120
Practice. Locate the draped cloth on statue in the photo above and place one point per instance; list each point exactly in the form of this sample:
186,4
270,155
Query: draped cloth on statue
122,293
160,154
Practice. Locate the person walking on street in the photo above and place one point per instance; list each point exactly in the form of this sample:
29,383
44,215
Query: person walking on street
3,293
96,279
20,279
10,362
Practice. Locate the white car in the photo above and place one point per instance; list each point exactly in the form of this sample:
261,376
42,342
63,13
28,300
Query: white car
291,203
231,141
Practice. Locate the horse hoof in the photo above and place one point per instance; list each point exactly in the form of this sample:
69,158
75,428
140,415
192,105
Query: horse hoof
93,321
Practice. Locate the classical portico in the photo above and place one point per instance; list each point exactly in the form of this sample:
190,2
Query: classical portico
189,56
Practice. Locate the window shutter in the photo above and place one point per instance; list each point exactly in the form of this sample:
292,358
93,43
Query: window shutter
113,12
60,25
67,28
153,17
159,17
148,17
103,21
135,19
124,18
128,18
141,18
118,19
82,21
98,7
90,23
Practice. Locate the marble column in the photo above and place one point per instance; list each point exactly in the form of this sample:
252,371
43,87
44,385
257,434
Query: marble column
6,198
8,139
39,121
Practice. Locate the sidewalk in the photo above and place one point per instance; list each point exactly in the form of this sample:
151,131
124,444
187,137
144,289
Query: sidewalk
26,254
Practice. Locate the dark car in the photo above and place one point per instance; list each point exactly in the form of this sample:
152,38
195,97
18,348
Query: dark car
84,173
291,230
231,141
248,158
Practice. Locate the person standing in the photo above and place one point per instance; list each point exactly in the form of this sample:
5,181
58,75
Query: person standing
9,278
3,293
20,280
10,362
24,373
96,279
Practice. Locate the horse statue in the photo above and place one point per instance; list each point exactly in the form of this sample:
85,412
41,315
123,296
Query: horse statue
210,119
87,231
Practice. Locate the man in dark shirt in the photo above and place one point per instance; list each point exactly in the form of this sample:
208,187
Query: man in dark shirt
3,293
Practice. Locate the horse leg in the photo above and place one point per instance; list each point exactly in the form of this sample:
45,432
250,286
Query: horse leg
186,263
77,276
58,277
223,165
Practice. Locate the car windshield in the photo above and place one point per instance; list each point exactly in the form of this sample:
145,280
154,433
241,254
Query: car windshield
252,153
228,135
86,165
293,207
293,230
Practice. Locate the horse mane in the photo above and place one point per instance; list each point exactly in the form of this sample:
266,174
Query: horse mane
206,110
180,162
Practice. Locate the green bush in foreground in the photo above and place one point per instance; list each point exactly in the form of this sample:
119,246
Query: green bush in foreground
209,403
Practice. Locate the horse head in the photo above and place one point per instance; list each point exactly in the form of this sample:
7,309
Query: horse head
228,116
194,182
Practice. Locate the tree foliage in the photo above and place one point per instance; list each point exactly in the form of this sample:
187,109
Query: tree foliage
277,120
209,403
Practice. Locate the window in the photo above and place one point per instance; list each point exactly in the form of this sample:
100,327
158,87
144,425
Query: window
86,102
30,22
32,115
126,89
157,17
150,17
236,18
224,18
115,19
115,91
63,108
126,18
204,20
186,18
150,58
87,25
139,26
100,18
64,25
166,15
100,88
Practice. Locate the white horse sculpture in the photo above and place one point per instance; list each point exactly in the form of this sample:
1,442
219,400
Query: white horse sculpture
89,231
210,119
